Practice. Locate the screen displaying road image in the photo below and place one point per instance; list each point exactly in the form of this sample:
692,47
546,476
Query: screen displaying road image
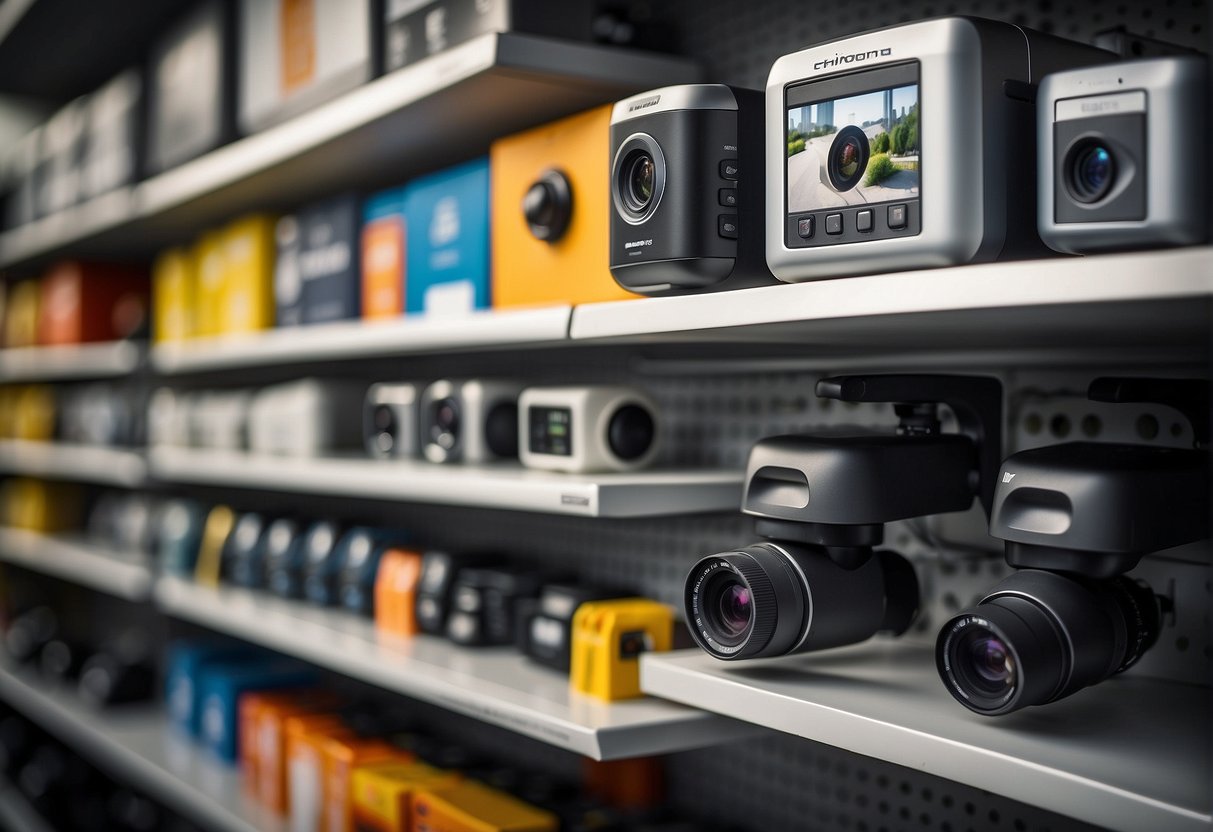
853,151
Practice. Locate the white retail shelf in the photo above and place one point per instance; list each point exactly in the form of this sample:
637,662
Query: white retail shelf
440,110
87,463
73,558
1130,754
504,485
137,745
495,685
1122,300
363,339
81,361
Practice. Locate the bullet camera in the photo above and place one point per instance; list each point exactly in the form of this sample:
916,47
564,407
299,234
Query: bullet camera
594,428
389,421
865,177
1123,155
818,581
1075,518
687,189
470,421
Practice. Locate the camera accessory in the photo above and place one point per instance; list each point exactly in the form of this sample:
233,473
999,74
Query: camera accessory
592,428
468,805
550,202
382,242
305,418
1122,159
179,536
687,190
263,738
608,638
322,552
244,551
545,631
396,588
209,563
483,604
327,263
438,573
284,558
822,502
470,421
1040,636
447,257
863,180
389,420
382,793
359,564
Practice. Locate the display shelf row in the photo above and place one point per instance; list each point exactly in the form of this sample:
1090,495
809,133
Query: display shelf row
1129,754
137,744
417,118
70,362
72,557
122,467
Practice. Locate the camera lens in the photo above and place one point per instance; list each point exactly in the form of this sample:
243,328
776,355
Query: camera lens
444,428
736,611
1090,171
1040,636
637,178
847,158
640,180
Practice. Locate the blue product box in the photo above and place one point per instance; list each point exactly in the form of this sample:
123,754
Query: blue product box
221,687
447,216
186,663
328,260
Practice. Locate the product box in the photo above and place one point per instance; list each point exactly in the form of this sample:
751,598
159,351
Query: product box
221,687
306,418
210,274
62,161
469,806
173,291
396,592
341,755
382,793
328,260
113,135
85,302
248,263
190,87
34,413
383,247
218,526
21,206
608,640
21,314
447,259
182,676
305,738
295,54
288,285
38,506
416,29
556,174
263,760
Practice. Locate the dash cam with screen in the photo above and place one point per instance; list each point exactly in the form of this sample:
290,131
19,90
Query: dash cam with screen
907,147
1123,155
687,189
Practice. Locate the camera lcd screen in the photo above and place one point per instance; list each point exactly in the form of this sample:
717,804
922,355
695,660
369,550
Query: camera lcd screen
551,430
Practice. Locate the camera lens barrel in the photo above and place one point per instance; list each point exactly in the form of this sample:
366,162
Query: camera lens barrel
1040,636
638,174
777,598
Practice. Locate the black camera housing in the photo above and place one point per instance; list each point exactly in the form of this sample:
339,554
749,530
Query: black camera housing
484,603
439,571
545,624
688,190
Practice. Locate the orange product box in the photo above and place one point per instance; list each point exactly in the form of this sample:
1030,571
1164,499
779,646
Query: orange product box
383,241
382,793
396,592
84,302
558,173
21,315
305,738
636,783
469,806
263,718
342,753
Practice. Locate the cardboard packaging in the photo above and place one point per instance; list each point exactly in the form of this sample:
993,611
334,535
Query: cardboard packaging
396,592
382,793
469,806
221,687
62,160
288,284
328,260
38,506
113,137
341,755
183,676
85,302
211,276
608,639
383,252
248,264
174,283
263,760
21,315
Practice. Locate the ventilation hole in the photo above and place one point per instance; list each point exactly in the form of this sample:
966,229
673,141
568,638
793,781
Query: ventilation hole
1091,425
970,809
1147,426
883,807
1032,424
924,819
1059,426
1182,644
947,801
1019,825
904,787
993,816
904,813
945,827
928,795
882,781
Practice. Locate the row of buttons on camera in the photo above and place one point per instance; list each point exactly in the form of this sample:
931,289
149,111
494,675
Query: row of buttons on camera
806,227
726,224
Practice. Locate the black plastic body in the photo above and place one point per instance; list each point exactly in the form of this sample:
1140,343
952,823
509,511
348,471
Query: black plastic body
283,558
243,550
439,571
483,604
1058,634
324,549
545,625
358,570
680,247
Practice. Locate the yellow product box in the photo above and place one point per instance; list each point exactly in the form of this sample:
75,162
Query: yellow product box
248,295
469,806
39,506
33,414
215,532
382,793
210,284
608,640
174,282
21,314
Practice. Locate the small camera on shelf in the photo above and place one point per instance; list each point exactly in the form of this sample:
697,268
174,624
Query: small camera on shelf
1123,155
396,587
609,638
390,427
484,604
305,418
470,421
1076,517
545,627
439,570
324,547
244,550
864,179
818,581
687,190
592,428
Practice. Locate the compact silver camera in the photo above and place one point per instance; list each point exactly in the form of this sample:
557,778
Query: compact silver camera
585,429
907,147
390,427
1123,155
470,421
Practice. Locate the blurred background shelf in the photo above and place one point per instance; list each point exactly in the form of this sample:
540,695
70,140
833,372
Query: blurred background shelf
16,813
495,685
84,463
137,744
1129,754
1108,306
363,339
72,558
503,485
441,110
70,363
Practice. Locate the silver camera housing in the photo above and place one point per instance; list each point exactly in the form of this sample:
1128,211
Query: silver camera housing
974,81
1150,117
587,416
401,439
486,425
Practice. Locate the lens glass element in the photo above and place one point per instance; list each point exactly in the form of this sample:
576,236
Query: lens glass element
640,176
735,609
848,158
728,607
444,429
983,664
1090,171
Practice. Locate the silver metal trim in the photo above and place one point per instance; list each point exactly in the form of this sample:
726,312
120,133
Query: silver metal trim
669,99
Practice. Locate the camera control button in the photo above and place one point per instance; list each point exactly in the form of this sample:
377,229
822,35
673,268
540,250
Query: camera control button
833,223
897,216
728,197
728,169
863,221
804,227
727,225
